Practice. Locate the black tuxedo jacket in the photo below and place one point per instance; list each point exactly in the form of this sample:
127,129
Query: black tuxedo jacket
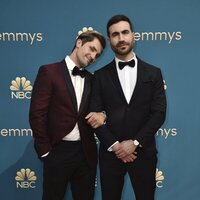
53,110
141,118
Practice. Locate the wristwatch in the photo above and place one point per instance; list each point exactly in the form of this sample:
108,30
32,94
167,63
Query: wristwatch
135,142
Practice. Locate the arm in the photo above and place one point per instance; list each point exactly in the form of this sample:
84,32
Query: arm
96,119
157,112
97,105
40,100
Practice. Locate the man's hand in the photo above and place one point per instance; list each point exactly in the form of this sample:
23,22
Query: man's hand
125,151
95,119
128,146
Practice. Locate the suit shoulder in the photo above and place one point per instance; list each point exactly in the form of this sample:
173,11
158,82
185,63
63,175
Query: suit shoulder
89,74
105,67
51,66
50,70
148,65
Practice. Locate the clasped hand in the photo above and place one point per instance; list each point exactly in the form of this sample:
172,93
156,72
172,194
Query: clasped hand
95,119
125,151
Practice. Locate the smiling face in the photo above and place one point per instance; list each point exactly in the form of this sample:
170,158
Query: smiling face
87,53
121,40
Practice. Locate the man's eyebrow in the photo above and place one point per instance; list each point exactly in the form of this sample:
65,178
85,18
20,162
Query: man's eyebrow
125,30
93,48
117,32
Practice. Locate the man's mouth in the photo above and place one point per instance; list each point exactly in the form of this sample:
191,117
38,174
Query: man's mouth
124,45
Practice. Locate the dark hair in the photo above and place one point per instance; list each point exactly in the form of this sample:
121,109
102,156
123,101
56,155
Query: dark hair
117,18
89,36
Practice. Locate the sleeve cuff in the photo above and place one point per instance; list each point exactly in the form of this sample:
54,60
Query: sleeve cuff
44,155
110,148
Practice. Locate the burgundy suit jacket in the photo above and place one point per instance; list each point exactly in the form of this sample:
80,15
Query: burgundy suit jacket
53,110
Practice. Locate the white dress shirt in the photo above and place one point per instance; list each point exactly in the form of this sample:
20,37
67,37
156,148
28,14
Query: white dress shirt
78,84
127,77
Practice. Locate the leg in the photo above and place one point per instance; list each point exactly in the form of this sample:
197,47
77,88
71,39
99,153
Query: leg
112,173
54,177
59,166
83,182
142,175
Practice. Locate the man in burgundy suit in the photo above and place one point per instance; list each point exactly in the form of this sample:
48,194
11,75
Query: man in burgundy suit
59,105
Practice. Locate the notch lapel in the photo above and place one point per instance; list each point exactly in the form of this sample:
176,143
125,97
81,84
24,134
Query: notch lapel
139,80
86,92
69,85
115,80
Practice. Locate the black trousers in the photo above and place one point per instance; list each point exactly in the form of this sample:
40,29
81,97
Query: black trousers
66,163
141,172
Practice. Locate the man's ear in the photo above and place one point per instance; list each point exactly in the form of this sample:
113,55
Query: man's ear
133,37
78,43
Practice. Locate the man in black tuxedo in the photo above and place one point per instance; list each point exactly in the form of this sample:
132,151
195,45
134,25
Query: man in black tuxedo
131,92
63,139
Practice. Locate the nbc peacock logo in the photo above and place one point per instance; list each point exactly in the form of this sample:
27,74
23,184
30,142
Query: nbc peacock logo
20,88
25,178
159,178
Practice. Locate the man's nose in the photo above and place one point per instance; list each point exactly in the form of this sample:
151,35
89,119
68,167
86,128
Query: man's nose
93,56
121,37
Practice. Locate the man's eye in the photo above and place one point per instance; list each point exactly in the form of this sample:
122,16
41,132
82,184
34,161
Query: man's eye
125,32
92,49
114,34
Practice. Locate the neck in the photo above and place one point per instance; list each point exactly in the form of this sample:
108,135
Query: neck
126,57
73,58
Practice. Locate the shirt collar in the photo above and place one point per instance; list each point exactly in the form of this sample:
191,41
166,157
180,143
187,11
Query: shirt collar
69,62
117,60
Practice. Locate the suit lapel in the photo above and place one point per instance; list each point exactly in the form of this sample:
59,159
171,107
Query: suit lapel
115,80
86,92
140,78
69,84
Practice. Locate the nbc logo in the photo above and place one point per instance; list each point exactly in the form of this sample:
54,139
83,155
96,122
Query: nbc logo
25,178
21,88
159,178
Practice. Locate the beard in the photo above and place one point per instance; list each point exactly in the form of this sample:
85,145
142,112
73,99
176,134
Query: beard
122,48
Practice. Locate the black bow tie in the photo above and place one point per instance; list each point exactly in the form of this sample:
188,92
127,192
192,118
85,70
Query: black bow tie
77,72
123,64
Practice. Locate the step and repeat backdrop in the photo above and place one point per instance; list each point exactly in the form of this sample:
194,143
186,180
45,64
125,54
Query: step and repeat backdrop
37,32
